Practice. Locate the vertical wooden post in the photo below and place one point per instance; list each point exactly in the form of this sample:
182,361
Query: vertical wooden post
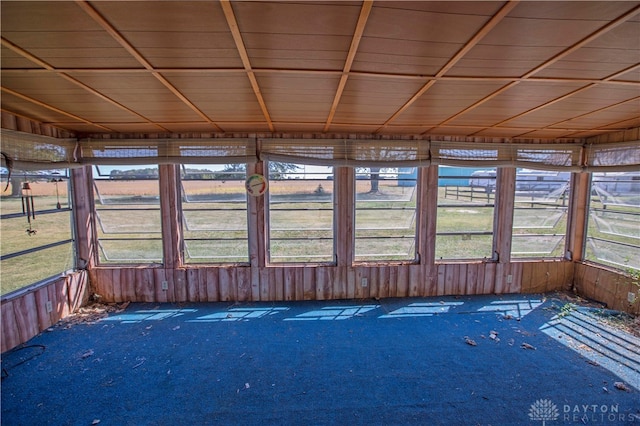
171,216
83,208
257,219
578,213
503,214
344,211
427,207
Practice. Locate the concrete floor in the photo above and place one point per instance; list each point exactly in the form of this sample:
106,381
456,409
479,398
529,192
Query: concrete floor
510,360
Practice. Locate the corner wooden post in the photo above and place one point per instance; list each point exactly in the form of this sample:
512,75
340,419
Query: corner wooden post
83,208
578,216
503,214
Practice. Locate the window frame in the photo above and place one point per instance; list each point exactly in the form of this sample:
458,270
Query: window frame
182,194
99,251
54,176
493,184
268,259
416,216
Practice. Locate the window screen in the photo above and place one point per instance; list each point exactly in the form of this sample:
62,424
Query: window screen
214,213
385,219
127,214
300,213
466,198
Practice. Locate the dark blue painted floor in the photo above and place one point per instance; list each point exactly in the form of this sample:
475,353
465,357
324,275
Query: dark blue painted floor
387,362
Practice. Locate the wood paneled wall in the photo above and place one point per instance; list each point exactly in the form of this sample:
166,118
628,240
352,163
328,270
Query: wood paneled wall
213,284
31,312
606,286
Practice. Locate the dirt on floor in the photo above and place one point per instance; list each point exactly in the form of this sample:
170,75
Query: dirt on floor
91,313
617,319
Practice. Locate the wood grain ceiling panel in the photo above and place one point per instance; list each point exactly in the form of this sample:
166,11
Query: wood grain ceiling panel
404,130
591,99
140,92
242,127
222,96
44,29
543,134
611,117
632,75
518,99
305,35
297,127
206,66
353,128
403,37
43,16
300,51
454,131
372,100
25,108
292,97
131,127
506,132
10,59
606,55
444,99
57,92
625,124
533,32
175,34
187,127
75,49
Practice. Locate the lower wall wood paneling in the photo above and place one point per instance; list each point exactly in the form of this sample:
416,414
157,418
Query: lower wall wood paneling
279,283
606,286
24,315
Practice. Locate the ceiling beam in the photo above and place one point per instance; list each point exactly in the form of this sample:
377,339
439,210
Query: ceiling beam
611,80
98,18
365,10
242,51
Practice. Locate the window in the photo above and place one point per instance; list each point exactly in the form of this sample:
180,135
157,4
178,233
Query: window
300,213
127,209
466,197
540,213
385,219
613,234
214,213
37,237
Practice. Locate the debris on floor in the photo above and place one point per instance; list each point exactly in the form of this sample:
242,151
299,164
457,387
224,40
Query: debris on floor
621,386
91,314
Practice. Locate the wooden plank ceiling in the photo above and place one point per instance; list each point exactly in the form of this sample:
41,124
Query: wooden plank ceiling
492,69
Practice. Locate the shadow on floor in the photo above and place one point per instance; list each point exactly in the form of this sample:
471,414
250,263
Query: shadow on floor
509,360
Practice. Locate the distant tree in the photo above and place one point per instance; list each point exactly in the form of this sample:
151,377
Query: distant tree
276,170
18,177
148,173
374,176
375,179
